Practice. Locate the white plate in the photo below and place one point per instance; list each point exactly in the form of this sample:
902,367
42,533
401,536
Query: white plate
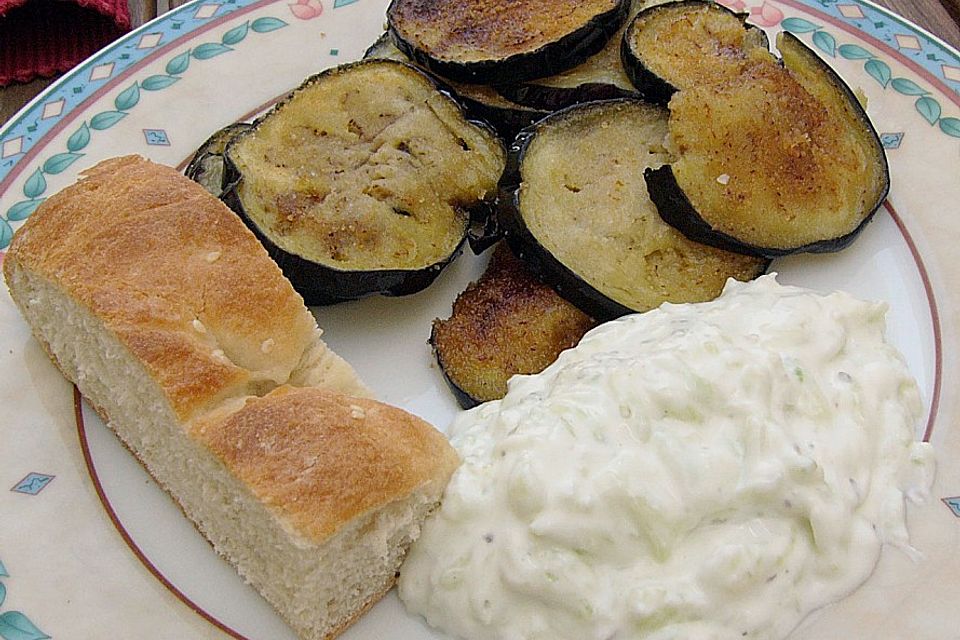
89,547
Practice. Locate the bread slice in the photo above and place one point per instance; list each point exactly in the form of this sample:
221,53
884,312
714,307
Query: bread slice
157,302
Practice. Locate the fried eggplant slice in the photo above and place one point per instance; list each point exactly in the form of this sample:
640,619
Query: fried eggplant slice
362,180
600,77
206,166
488,42
479,101
780,160
504,324
683,44
574,207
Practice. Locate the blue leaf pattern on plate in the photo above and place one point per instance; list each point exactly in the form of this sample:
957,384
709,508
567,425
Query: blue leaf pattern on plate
235,35
825,42
907,87
929,109
57,163
35,185
879,71
157,82
799,25
950,126
6,233
179,64
128,98
79,139
854,52
106,119
21,211
263,25
209,50
16,626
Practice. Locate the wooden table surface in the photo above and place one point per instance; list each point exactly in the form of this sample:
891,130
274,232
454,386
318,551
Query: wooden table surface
939,17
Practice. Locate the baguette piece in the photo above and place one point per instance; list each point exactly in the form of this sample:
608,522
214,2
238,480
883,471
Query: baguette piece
157,302
333,489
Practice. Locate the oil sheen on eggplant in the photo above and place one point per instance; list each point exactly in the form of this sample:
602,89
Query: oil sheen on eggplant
574,206
361,181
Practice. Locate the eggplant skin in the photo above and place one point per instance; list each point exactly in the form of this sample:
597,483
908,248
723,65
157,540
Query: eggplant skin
550,99
326,268
206,166
540,261
480,102
600,77
743,41
651,86
677,211
504,324
807,183
319,284
457,25
525,246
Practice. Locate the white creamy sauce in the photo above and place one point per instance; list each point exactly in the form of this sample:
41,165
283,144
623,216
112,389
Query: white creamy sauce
701,471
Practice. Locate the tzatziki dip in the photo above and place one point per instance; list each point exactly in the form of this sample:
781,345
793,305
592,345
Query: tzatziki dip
700,471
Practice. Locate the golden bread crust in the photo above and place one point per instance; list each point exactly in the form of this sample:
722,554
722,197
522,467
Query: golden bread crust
318,459
175,275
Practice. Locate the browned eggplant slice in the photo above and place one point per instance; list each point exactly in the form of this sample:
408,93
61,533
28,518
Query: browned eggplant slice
683,44
206,166
574,206
780,160
479,101
484,42
506,323
600,77
361,180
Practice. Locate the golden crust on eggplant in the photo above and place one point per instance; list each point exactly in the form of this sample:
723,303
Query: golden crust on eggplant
504,324
690,43
475,30
775,158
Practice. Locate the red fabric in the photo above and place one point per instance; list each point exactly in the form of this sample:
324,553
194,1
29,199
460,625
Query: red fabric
46,37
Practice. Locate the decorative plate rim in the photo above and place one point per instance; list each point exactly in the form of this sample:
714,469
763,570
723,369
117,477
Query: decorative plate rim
21,164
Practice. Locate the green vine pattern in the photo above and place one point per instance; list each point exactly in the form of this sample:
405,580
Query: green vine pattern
13,624
879,70
127,99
